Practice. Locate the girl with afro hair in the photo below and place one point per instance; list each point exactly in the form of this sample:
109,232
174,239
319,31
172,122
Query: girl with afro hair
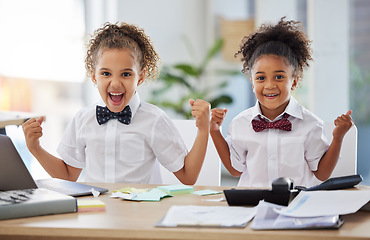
277,137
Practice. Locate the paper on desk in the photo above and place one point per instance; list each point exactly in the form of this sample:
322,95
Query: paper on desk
132,190
206,192
207,216
266,218
126,196
140,195
221,199
326,203
94,192
153,195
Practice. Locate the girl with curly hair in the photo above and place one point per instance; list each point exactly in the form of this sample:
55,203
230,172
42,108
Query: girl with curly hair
120,138
277,137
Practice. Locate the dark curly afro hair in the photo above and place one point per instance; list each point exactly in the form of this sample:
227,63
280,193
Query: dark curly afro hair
286,39
121,36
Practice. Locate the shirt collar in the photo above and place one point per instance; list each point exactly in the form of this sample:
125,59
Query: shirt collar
293,109
134,103
256,110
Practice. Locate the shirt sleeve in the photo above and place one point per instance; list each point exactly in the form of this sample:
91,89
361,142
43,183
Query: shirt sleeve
237,153
72,146
316,145
167,144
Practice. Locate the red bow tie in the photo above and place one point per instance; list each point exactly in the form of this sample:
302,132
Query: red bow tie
262,124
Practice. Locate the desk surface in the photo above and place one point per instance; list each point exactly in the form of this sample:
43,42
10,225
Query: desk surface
136,220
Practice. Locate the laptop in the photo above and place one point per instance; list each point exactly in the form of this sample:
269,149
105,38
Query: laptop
14,175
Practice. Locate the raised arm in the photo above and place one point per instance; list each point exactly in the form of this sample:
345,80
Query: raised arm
195,158
221,145
55,166
328,162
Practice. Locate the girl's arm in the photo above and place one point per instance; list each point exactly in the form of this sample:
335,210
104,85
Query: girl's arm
221,145
195,158
56,167
328,162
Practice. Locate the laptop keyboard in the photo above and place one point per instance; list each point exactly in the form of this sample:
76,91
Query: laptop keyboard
15,196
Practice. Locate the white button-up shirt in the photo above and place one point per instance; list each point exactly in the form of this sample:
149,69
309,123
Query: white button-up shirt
115,152
264,156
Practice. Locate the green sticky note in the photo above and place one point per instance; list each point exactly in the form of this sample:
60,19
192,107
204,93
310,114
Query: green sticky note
176,189
153,195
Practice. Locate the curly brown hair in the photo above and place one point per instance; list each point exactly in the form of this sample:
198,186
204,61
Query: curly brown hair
286,39
121,36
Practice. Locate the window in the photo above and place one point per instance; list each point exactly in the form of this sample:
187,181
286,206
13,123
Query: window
42,39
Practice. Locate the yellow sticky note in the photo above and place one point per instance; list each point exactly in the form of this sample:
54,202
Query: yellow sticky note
132,190
90,205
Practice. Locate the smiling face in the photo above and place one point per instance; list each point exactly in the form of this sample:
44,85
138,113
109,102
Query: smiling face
117,75
272,80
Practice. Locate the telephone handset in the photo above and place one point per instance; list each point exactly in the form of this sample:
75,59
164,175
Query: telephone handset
335,183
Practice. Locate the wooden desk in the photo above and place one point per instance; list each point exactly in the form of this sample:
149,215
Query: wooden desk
135,220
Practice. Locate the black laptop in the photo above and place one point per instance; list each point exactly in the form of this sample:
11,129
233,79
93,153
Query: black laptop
14,175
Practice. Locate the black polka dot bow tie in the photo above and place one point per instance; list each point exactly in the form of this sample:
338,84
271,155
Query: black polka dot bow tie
262,124
103,115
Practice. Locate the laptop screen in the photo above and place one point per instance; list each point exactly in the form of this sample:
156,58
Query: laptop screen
14,174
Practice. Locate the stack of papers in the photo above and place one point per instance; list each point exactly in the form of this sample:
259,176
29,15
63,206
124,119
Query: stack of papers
90,205
313,209
326,203
309,210
268,218
207,216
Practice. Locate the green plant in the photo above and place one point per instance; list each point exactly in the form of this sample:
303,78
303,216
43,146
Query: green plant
184,81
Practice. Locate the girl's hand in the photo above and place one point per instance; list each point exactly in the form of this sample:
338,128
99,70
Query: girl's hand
33,131
200,110
217,117
342,124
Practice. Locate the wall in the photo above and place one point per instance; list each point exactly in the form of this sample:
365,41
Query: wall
168,21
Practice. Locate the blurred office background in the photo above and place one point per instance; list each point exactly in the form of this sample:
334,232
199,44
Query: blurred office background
42,48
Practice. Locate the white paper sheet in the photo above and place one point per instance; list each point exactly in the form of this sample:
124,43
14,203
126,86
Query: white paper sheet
207,216
326,203
267,218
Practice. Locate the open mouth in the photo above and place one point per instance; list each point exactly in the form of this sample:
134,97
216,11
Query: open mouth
116,97
271,95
